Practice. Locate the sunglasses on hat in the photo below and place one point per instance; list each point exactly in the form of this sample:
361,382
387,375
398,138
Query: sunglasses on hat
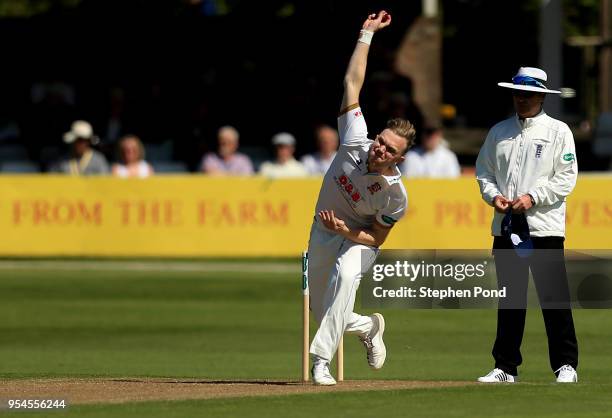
524,80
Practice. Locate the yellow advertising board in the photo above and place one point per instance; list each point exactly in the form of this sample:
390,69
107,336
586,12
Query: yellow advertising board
187,216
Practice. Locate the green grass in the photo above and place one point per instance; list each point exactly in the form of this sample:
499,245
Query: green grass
247,326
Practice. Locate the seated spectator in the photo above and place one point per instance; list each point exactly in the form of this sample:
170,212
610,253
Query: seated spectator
285,164
131,152
227,160
432,159
84,160
327,143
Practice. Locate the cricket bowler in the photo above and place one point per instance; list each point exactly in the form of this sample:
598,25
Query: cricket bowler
361,198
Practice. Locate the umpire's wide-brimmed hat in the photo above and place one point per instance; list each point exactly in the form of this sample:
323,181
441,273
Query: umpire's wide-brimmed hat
529,79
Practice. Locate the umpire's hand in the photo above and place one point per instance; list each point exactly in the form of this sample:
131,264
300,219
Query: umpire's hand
522,204
501,204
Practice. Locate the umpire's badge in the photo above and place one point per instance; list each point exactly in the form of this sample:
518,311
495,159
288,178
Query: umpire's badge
538,152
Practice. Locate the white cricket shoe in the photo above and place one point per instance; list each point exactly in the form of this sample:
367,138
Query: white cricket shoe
374,344
567,374
498,376
320,372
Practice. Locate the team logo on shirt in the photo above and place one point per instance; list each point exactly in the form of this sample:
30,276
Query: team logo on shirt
538,152
569,157
375,187
358,113
347,186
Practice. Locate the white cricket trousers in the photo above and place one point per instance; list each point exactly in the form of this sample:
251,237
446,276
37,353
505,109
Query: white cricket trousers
335,267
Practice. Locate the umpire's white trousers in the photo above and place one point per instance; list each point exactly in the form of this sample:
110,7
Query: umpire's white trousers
335,266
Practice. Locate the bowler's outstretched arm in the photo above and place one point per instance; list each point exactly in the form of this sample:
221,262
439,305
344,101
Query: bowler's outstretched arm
355,73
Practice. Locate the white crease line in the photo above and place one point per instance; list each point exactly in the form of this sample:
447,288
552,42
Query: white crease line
222,267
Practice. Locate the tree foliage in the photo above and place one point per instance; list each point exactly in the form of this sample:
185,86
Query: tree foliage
581,17
28,8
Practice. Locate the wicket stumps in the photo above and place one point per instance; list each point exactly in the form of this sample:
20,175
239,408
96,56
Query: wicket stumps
306,330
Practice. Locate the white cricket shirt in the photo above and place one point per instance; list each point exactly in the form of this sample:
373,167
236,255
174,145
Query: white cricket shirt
536,156
438,163
356,196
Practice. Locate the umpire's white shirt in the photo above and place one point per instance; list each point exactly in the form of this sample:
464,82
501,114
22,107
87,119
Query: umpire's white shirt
356,196
534,156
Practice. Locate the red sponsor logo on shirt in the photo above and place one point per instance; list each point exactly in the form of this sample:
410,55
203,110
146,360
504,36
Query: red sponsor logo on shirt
373,188
358,113
348,187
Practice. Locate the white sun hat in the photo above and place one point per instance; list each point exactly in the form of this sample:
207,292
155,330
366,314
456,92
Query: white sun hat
283,138
80,129
529,79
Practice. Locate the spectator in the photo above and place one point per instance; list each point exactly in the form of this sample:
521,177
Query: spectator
432,159
285,164
132,153
327,143
227,159
85,160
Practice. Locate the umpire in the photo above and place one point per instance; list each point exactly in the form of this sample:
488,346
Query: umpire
526,169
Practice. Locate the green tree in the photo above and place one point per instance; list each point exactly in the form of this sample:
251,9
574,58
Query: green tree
581,17
28,8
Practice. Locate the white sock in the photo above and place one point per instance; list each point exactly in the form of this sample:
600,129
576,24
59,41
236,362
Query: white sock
316,360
